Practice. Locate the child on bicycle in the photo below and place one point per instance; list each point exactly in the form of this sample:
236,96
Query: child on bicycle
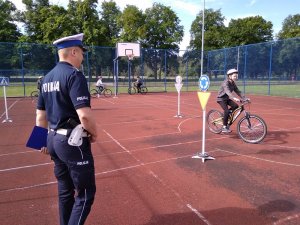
99,84
39,83
225,97
138,83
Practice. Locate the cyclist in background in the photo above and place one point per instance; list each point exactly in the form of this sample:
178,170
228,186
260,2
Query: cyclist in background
226,98
99,84
138,83
39,83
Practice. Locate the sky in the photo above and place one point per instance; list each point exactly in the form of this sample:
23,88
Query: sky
274,11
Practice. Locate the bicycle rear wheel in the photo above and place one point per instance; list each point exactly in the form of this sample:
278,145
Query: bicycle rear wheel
252,129
144,90
107,92
94,93
214,120
131,90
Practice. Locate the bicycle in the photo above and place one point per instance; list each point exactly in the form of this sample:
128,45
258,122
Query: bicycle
34,95
105,91
133,89
251,128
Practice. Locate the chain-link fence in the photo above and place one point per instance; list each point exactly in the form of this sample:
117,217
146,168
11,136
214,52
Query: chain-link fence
271,68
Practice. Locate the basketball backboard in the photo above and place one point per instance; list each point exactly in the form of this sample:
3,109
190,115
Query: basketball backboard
128,49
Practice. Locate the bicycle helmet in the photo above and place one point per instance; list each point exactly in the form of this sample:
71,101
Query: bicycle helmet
232,71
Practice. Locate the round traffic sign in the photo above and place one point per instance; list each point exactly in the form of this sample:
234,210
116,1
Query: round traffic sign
204,82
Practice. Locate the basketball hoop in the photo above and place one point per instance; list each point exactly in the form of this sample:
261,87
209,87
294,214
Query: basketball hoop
130,57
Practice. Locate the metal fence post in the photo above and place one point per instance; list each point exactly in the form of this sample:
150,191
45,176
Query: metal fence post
270,68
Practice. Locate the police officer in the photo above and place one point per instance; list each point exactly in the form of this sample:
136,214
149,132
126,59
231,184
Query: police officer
64,103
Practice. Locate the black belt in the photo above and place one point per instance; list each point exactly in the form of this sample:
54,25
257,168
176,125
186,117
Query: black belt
67,132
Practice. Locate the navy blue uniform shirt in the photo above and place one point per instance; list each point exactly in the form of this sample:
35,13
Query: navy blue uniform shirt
64,89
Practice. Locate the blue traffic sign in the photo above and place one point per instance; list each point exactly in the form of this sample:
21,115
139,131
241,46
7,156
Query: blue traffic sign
4,81
204,82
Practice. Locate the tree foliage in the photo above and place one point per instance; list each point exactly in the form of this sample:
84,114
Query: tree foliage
8,31
132,22
248,30
290,27
162,29
214,29
109,15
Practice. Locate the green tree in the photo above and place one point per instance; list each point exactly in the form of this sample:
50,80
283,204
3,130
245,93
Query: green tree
8,30
86,20
214,29
132,21
248,30
109,15
290,27
32,19
162,28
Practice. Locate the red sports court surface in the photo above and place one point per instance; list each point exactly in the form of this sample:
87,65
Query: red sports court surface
144,171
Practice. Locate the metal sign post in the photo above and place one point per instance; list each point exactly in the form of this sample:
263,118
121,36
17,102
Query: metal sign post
4,81
203,98
116,61
178,86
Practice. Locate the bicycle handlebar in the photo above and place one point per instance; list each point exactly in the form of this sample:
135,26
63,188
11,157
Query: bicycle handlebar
245,101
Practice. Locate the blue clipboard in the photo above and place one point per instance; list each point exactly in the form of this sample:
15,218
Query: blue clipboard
38,138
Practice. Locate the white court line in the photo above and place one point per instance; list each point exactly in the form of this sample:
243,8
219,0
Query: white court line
9,107
28,187
162,134
198,214
23,167
16,153
284,220
104,172
261,159
161,181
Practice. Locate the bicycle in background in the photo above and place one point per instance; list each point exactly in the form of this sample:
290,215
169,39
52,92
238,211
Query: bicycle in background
250,128
133,89
34,95
97,92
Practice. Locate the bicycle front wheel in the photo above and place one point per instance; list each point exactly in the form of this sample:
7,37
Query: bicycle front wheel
214,120
107,92
252,129
131,90
144,90
94,93
34,95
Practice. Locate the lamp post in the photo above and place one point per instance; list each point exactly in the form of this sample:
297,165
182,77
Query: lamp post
202,42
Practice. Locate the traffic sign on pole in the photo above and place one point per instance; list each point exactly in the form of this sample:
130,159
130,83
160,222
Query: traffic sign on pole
4,81
178,86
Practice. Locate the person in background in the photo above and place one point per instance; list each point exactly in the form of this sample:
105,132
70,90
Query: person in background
226,98
64,104
39,83
99,84
138,83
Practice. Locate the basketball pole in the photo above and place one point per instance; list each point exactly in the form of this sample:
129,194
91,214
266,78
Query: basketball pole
116,68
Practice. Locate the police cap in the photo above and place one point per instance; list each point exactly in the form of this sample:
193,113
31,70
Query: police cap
70,41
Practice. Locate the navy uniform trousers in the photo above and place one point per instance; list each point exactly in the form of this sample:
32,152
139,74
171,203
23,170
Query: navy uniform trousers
74,171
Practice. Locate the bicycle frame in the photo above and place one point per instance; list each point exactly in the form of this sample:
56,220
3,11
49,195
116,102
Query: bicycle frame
237,112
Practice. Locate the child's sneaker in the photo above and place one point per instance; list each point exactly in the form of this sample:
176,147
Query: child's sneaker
226,130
